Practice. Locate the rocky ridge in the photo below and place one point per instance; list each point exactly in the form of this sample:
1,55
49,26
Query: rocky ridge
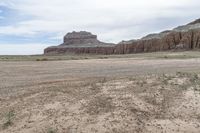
186,37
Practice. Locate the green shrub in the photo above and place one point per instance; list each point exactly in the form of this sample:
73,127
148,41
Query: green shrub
9,119
43,59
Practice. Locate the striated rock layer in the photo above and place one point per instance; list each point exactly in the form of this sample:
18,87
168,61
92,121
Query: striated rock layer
81,42
186,37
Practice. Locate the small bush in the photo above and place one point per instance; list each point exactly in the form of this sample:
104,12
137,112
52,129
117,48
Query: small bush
9,119
166,57
103,57
43,59
103,80
51,130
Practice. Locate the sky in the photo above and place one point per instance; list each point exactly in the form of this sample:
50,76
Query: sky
29,26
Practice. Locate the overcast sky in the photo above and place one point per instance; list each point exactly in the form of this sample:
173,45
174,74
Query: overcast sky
28,26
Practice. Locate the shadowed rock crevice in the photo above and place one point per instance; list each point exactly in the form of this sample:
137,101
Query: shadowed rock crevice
184,37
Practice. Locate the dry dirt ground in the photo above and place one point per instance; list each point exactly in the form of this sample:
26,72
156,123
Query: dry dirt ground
126,95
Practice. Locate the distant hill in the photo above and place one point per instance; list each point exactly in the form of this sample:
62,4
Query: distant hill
186,37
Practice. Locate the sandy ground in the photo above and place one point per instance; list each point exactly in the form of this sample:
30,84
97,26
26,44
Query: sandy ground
100,96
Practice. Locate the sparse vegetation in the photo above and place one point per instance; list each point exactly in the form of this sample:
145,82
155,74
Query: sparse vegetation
43,59
103,80
9,119
51,130
115,95
155,55
99,105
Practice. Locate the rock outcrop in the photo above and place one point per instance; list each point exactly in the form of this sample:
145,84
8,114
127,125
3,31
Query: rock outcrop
186,37
81,42
82,38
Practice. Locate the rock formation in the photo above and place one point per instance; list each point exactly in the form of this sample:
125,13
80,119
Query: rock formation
81,42
186,37
82,37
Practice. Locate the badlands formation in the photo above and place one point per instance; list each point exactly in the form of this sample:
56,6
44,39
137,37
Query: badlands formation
186,37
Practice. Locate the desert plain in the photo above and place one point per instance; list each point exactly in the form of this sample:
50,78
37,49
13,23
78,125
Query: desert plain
137,93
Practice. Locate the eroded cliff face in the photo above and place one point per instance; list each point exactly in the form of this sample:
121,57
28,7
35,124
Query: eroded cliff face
172,41
186,37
